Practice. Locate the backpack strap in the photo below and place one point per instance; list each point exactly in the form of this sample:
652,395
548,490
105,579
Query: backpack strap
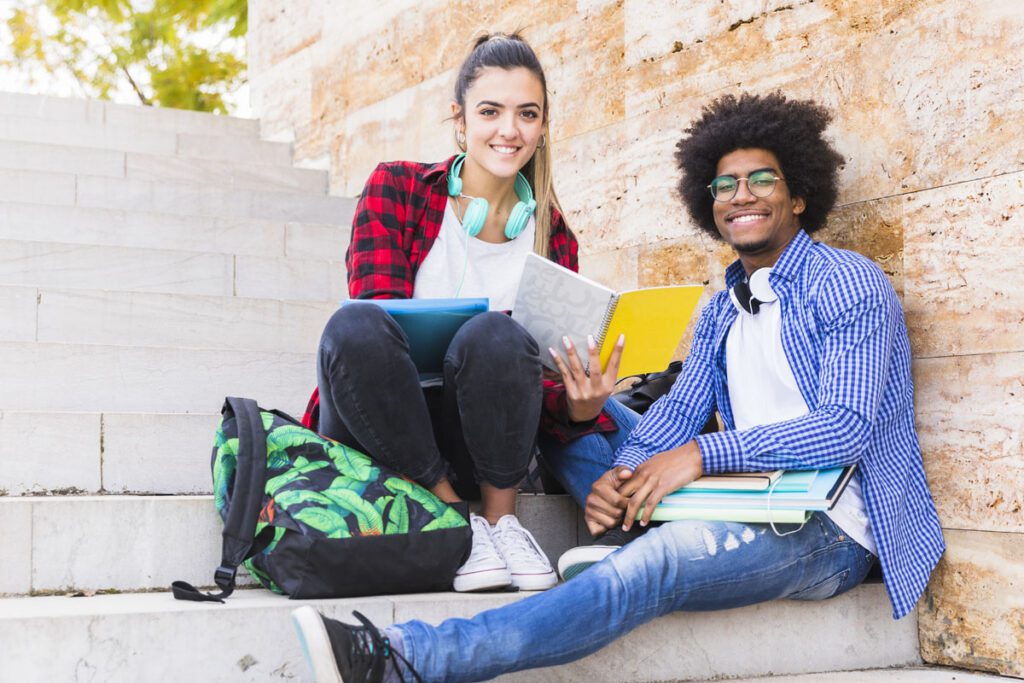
247,499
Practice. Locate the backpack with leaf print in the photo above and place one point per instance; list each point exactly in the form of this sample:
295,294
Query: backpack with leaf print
312,518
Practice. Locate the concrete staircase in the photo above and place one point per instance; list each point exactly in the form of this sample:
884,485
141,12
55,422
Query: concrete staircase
152,261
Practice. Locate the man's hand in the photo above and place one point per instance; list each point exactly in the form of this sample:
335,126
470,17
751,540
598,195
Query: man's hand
585,393
605,505
657,477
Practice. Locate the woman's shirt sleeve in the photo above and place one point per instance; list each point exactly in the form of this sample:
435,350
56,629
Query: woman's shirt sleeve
378,265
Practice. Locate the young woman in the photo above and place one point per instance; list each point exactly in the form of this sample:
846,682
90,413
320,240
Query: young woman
462,227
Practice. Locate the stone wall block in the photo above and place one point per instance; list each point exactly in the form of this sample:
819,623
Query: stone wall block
582,59
412,124
592,182
970,423
874,229
283,96
893,117
616,269
973,612
657,30
364,69
279,29
618,184
964,250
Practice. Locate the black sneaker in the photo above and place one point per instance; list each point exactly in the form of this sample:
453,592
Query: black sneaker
342,653
575,560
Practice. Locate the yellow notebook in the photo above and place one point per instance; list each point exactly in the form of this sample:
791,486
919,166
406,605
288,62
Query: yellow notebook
553,302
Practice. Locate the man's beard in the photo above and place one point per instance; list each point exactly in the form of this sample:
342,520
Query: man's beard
752,247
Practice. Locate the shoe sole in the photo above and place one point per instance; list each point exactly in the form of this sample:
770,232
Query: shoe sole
482,581
316,645
574,562
534,582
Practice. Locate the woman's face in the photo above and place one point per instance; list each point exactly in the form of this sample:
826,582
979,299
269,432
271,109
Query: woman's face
504,120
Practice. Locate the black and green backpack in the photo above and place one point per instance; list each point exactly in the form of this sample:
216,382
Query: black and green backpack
312,518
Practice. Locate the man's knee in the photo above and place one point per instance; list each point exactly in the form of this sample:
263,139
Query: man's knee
666,547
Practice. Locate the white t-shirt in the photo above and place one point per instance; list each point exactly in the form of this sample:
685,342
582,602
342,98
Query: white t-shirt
491,270
764,391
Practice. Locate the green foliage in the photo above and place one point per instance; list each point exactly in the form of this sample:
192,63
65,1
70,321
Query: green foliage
171,53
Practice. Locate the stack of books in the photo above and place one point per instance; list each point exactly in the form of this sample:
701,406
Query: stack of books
780,497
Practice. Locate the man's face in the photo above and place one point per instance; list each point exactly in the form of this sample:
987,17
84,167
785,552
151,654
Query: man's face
755,225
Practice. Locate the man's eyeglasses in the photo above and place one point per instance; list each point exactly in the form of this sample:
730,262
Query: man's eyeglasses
759,183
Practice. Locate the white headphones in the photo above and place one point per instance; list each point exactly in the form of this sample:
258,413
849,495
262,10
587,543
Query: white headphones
748,295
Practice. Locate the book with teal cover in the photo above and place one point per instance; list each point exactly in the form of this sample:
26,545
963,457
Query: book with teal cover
746,516
429,324
822,491
796,480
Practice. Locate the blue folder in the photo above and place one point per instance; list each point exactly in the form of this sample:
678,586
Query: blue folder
429,324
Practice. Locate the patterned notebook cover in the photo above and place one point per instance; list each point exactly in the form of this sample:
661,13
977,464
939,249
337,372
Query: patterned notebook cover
553,302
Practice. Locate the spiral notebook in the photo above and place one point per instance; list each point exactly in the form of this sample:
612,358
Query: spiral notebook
553,302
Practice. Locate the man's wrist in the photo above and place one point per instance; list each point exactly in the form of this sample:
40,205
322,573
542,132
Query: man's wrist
720,451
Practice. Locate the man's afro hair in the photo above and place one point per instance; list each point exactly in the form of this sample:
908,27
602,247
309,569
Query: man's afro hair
791,129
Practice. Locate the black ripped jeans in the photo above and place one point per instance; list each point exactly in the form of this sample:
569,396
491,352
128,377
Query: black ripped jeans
480,426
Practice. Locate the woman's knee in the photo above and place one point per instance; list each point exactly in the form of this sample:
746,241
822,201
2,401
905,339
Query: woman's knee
357,326
494,334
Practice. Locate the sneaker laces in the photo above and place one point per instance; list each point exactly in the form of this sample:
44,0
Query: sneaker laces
372,650
517,544
483,542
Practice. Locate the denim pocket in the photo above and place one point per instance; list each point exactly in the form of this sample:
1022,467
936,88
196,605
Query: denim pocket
823,589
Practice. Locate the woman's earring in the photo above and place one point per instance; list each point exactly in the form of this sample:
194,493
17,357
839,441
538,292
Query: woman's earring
543,141
460,138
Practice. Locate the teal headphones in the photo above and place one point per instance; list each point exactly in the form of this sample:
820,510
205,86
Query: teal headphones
476,212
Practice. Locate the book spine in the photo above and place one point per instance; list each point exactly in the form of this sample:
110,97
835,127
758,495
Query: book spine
606,322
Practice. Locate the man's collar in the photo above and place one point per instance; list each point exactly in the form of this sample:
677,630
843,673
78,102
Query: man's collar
786,267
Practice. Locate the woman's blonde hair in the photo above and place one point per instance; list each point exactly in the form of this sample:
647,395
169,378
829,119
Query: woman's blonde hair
510,51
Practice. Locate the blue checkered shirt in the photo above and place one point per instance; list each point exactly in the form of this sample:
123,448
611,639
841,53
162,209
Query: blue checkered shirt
846,341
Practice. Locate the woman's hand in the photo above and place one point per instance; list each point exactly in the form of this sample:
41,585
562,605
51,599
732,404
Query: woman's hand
661,475
585,393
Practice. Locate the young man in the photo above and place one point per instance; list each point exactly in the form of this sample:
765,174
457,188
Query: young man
806,358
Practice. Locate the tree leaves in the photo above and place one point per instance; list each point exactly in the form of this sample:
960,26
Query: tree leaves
171,53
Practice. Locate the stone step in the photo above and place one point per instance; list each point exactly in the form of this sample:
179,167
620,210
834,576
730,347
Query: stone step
65,543
81,266
161,140
155,319
38,187
191,199
152,230
916,674
184,199
53,453
133,637
225,174
32,156
96,378
65,109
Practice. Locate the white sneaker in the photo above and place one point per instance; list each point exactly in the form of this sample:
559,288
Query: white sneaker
485,569
531,570
575,560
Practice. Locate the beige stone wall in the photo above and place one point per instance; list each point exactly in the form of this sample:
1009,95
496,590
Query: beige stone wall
929,111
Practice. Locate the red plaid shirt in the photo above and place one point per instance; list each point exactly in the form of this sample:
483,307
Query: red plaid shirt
397,219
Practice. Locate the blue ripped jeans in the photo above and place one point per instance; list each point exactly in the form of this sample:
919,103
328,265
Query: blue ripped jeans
684,565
